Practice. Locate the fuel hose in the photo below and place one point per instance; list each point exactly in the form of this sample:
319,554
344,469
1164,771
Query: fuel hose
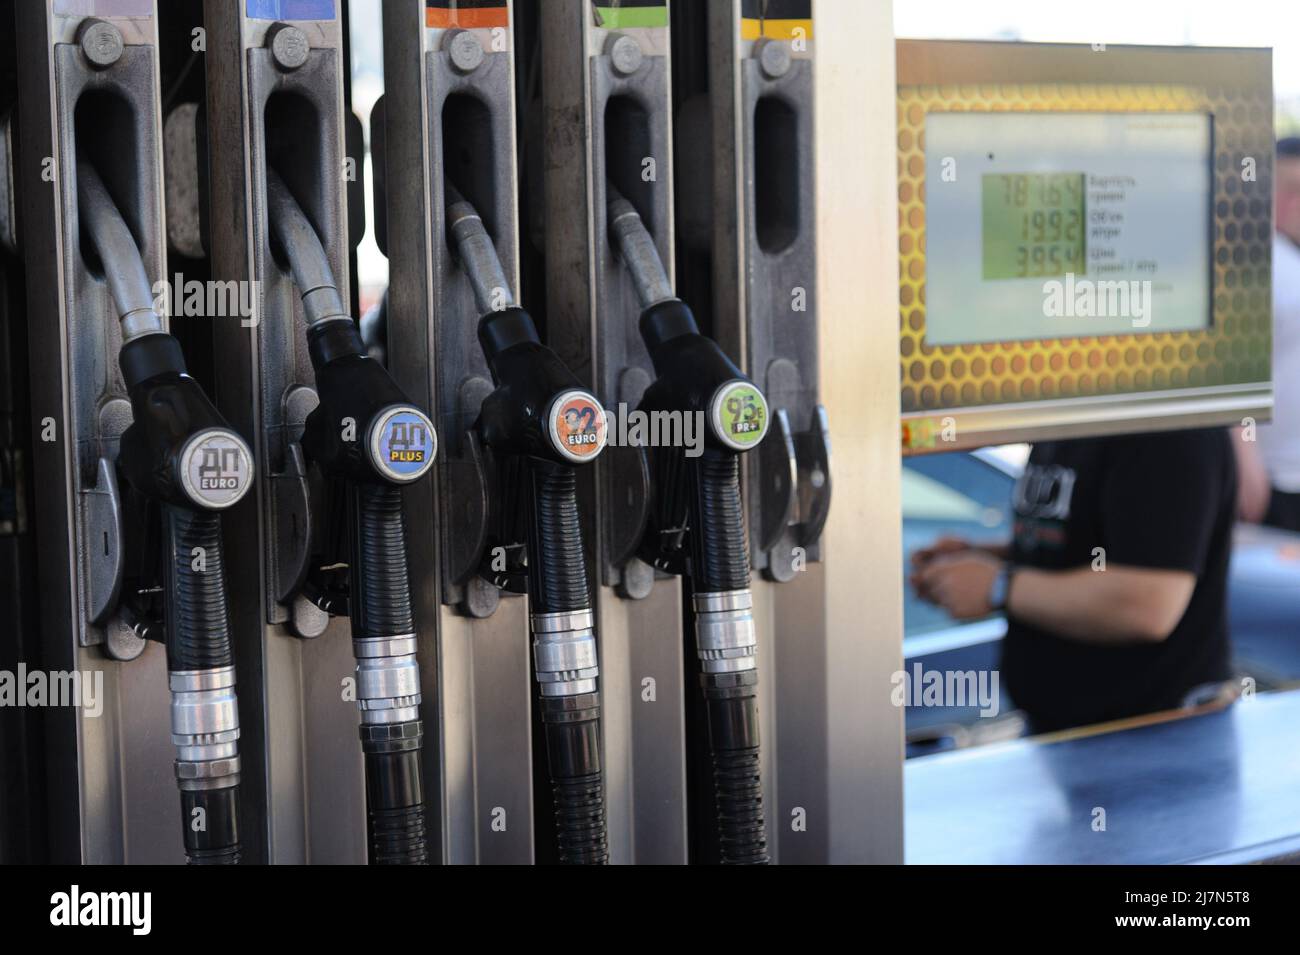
391,444
540,413
694,376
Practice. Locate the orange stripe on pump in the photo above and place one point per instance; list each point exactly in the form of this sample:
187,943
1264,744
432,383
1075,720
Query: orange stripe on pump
467,19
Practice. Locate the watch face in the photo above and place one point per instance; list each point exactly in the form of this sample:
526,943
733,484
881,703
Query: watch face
216,468
738,414
576,423
403,444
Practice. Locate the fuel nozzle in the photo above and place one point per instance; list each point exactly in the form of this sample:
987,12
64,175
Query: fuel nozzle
702,495
365,429
538,408
693,374
544,424
180,454
366,433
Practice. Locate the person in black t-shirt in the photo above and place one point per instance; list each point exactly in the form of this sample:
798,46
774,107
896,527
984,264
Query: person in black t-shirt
1115,582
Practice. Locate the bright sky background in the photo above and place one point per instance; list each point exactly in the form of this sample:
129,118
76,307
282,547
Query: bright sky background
368,86
1257,23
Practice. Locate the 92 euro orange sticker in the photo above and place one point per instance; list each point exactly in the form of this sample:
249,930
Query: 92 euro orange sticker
577,425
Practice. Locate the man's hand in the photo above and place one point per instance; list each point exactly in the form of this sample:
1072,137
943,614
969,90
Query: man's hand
922,557
947,544
959,582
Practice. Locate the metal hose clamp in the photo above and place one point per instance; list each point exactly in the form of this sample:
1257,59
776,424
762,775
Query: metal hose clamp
564,648
205,727
388,679
724,631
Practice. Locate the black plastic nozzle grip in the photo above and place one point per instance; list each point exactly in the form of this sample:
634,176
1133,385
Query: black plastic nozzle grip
556,567
720,553
198,621
380,585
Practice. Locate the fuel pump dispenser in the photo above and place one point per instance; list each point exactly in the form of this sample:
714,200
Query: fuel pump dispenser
605,106
697,526
541,425
180,455
748,259
22,829
136,465
512,631
447,115
333,438
394,444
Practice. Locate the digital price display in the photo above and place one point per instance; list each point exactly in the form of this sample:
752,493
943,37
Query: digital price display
1033,225
1063,225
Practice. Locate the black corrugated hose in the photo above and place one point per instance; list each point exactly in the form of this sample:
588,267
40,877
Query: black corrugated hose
720,563
198,638
381,607
558,583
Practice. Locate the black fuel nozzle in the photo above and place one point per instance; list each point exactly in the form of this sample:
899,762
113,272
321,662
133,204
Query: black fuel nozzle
693,374
539,408
364,430
366,433
178,449
545,424
180,454
697,508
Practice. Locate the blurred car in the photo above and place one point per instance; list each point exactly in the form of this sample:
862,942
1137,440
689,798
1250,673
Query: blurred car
968,494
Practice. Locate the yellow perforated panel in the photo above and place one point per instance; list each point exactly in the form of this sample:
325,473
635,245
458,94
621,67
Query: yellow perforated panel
1233,350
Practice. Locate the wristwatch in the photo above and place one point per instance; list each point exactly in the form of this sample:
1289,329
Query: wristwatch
1001,586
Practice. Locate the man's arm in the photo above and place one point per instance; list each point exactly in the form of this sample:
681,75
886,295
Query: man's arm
1112,606
1118,605
1253,486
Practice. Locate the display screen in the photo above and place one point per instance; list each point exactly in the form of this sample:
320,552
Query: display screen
1033,225
1062,225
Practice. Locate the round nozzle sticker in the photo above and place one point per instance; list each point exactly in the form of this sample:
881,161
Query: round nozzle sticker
576,423
739,415
216,468
403,444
